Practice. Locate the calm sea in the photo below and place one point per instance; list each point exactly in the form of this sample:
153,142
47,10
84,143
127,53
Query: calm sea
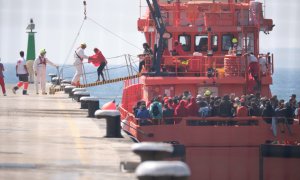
285,81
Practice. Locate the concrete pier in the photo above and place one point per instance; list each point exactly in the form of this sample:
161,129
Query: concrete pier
50,137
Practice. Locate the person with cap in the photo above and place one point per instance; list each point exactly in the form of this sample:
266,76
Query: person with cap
2,83
235,49
99,61
22,74
79,56
39,67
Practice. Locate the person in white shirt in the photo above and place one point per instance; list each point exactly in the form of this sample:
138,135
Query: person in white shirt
79,56
22,73
39,67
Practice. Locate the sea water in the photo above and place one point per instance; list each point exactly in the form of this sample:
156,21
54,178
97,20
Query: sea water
285,81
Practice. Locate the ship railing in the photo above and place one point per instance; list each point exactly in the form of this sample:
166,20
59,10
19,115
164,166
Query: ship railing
213,121
197,121
224,121
204,66
130,122
200,18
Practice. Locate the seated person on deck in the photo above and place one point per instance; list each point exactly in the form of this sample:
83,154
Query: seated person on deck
178,50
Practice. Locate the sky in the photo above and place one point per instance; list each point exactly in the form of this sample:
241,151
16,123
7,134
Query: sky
58,21
57,25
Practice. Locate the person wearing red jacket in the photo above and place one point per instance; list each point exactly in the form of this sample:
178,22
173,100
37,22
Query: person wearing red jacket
192,107
242,111
253,70
178,49
181,110
99,61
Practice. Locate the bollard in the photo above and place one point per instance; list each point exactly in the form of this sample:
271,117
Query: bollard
74,90
56,80
68,89
78,94
85,100
152,151
52,76
113,127
93,106
163,170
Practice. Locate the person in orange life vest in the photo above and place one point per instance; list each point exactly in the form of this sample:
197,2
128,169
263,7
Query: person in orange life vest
99,61
79,56
22,73
39,67
178,50
2,84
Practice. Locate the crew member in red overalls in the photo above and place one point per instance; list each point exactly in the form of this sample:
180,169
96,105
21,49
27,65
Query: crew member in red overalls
99,61
22,73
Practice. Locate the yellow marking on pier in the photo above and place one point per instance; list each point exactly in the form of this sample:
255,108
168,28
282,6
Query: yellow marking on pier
76,138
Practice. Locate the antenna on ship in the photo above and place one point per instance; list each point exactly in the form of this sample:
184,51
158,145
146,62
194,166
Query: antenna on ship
30,50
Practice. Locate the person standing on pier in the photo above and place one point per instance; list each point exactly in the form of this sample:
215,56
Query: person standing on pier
79,57
39,67
2,83
22,73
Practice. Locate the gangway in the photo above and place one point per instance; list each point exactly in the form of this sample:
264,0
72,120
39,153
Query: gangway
54,88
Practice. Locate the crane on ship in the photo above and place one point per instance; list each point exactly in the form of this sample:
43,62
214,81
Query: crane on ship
161,29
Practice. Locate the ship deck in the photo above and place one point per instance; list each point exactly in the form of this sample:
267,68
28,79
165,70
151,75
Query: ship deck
49,137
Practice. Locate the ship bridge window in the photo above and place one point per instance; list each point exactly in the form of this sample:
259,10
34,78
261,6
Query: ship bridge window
185,41
226,42
201,42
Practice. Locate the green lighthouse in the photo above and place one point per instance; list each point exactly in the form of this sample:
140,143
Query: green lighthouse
30,50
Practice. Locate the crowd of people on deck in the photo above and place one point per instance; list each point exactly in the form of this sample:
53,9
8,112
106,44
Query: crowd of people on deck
39,69
206,105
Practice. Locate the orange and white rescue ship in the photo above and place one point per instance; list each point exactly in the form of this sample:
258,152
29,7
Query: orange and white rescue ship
216,148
